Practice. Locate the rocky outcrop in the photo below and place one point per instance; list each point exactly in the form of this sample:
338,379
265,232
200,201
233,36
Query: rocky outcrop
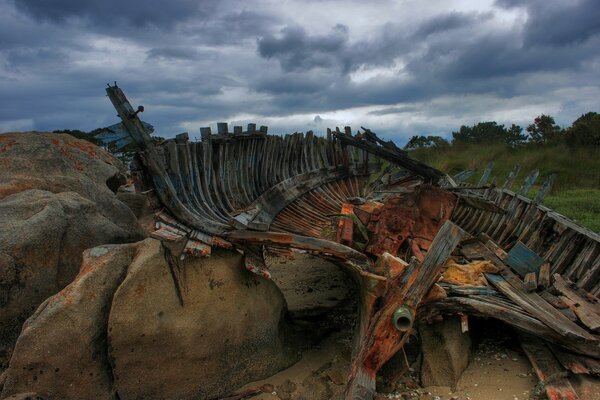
56,199
120,329
62,349
227,332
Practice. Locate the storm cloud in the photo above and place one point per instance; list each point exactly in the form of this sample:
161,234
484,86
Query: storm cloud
401,68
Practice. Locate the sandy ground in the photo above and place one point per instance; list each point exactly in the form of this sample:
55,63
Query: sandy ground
314,289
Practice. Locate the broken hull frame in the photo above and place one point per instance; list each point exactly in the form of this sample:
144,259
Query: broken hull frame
248,188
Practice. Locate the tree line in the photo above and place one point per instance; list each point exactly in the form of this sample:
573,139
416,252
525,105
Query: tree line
584,131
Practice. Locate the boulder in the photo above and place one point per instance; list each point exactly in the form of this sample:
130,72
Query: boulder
446,351
138,322
62,351
56,199
199,336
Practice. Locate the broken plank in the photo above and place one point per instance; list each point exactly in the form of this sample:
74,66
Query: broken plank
513,288
544,276
530,282
553,300
548,369
584,310
576,363
523,260
483,306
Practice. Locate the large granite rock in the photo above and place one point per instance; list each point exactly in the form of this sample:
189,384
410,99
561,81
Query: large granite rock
62,350
229,330
120,329
56,199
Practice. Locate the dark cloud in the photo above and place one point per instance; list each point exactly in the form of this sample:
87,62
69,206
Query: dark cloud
446,22
194,62
563,24
115,12
296,50
174,52
558,23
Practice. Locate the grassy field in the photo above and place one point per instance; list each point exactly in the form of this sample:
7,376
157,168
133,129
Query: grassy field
576,192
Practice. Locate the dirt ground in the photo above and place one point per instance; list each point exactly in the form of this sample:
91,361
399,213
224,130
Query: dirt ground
318,292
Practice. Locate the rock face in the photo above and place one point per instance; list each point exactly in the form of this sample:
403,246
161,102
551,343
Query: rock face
119,329
228,331
446,351
62,349
56,199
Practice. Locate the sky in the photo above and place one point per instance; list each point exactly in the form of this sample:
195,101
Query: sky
400,68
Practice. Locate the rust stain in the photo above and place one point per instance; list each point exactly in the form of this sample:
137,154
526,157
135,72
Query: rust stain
139,290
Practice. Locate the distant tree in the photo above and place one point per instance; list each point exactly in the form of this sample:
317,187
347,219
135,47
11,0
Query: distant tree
544,130
515,135
585,131
489,132
417,142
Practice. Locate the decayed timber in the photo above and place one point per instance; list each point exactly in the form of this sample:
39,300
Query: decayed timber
382,336
388,151
548,369
260,192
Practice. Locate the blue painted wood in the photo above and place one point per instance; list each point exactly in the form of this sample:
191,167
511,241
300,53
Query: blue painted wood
523,260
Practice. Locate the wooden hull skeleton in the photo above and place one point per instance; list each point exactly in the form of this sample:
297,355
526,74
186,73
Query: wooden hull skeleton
254,191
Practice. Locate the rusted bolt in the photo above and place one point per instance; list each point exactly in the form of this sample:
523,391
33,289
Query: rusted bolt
402,318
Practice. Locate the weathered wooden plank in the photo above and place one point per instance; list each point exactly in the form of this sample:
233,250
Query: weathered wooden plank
545,189
530,282
576,363
548,369
588,313
544,276
511,177
486,174
523,260
389,152
528,182
513,288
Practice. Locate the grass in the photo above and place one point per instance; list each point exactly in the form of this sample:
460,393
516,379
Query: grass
575,193
582,205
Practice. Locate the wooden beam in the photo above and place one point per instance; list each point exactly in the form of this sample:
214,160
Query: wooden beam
389,327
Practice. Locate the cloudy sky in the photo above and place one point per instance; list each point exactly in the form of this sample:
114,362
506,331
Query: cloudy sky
400,67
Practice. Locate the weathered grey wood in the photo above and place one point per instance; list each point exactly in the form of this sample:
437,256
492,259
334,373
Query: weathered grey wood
539,198
511,177
588,313
486,174
512,287
528,182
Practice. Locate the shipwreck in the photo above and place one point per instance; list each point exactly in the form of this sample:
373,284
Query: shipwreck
407,233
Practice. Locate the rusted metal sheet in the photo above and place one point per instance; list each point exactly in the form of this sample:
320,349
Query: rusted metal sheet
413,218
